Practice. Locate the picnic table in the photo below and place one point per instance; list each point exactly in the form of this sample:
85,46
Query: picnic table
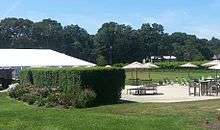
143,90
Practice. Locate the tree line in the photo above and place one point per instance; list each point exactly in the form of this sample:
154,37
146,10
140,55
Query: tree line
113,42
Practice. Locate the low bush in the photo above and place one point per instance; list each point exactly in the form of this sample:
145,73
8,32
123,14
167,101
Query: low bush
45,97
29,98
20,90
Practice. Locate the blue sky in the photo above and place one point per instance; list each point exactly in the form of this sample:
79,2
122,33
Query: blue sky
200,17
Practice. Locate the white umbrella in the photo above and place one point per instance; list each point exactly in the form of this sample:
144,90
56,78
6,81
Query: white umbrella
134,65
150,65
108,66
211,63
189,65
216,67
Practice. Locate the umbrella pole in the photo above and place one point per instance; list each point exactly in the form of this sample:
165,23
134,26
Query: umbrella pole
136,76
188,74
132,74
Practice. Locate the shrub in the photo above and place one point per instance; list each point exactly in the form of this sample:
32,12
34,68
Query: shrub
107,83
27,93
20,90
34,95
29,98
119,65
85,98
176,64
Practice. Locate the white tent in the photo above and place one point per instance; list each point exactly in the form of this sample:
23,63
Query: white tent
212,63
38,58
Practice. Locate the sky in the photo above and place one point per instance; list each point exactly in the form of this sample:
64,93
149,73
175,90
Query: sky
197,17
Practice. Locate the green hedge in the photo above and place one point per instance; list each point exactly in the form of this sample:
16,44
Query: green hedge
176,64
106,82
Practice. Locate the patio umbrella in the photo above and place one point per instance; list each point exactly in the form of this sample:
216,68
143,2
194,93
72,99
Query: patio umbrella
188,65
108,66
216,67
135,66
150,65
211,63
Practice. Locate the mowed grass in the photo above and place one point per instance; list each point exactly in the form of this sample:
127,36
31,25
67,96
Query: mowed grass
16,115
160,75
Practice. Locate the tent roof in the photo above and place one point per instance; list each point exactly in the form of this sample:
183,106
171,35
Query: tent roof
189,65
38,58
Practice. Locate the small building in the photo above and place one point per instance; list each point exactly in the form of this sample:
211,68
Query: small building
161,58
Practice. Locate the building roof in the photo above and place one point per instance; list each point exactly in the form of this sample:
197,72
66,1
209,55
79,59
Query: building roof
163,57
169,57
38,58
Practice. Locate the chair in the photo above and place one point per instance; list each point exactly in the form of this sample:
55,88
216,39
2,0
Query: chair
151,87
195,86
213,88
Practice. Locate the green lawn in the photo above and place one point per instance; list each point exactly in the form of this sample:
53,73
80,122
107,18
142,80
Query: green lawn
129,116
160,75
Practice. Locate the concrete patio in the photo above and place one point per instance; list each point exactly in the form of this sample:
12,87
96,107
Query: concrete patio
166,94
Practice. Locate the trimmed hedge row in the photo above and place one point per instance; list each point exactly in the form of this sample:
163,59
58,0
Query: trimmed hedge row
107,83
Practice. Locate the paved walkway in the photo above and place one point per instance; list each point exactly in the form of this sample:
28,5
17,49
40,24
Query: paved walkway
171,93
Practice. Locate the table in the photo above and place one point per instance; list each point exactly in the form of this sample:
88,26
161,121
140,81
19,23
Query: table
142,90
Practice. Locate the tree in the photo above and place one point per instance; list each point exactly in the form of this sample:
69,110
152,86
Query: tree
47,34
16,33
113,43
